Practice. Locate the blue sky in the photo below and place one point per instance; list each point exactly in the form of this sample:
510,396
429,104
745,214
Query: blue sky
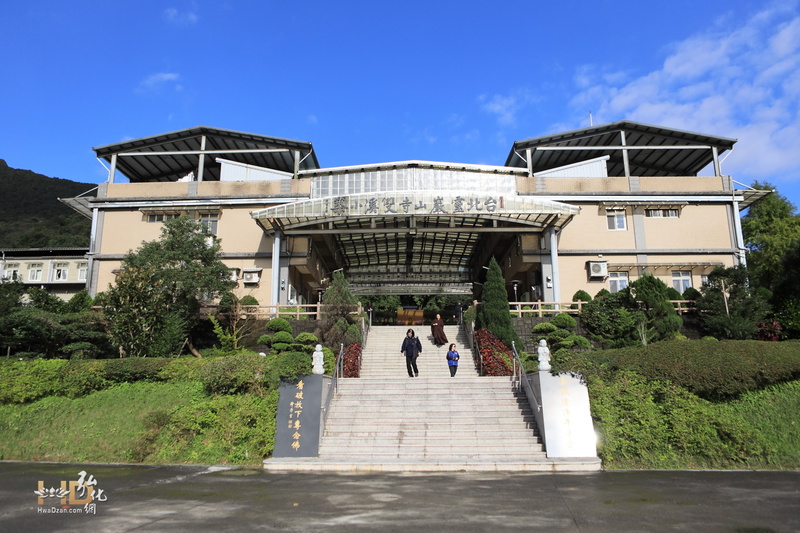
374,81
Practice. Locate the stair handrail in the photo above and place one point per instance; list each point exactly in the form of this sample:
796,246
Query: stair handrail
520,380
338,370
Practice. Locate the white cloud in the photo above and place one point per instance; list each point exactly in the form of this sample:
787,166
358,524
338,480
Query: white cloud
155,82
311,119
180,18
740,81
503,107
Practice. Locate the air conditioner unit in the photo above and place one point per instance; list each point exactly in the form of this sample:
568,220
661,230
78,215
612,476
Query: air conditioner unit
598,269
251,277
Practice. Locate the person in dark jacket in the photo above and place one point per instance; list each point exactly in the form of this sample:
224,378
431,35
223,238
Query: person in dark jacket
452,359
411,349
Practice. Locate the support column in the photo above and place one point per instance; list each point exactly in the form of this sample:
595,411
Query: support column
554,264
276,268
717,167
113,169
737,223
625,161
202,162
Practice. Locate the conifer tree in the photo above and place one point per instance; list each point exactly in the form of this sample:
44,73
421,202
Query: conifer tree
493,313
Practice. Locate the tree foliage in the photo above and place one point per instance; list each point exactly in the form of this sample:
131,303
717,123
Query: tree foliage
658,318
610,320
156,299
493,313
771,231
730,308
338,302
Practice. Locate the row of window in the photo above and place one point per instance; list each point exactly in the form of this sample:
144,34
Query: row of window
615,218
58,272
681,280
209,220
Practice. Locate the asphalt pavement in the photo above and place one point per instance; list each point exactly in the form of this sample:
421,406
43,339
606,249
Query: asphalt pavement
121,498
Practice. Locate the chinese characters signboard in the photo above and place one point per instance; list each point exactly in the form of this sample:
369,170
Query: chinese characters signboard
299,409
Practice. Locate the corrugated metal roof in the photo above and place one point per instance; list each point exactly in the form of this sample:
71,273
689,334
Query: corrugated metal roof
177,153
667,152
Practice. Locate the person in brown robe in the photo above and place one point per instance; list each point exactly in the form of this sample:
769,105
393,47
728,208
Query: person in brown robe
437,330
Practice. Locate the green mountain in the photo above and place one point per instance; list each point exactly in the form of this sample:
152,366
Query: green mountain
31,215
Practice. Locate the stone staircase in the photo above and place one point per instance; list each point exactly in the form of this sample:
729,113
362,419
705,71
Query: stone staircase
386,421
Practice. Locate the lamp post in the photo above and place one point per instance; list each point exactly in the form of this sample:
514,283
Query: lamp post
515,284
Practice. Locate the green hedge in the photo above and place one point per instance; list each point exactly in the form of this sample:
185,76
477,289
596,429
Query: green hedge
25,381
712,370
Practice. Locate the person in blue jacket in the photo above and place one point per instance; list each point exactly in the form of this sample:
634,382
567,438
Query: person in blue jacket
411,349
452,359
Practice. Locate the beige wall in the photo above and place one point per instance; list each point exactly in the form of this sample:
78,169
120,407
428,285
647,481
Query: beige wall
589,231
126,230
706,226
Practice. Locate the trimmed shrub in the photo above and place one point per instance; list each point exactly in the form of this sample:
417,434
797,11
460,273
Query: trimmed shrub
279,324
183,369
691,294
350,364
25,381
564,321
495,356
279,347
673,294
248,299
544,328
286,366
307,338
233,374
283,336
266,340
83,377
581,296
133,369
712,370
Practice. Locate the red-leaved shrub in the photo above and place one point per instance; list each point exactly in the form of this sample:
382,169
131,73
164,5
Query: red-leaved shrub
496,357
352,356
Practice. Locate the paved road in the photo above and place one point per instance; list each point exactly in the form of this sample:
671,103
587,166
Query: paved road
197,498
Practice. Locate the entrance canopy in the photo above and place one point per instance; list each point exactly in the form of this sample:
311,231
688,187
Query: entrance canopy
413,242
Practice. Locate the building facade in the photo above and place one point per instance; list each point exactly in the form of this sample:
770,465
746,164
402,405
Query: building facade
587,209
62,272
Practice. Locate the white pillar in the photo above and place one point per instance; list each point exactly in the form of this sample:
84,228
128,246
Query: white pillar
554,264
202,163
276,268
113,169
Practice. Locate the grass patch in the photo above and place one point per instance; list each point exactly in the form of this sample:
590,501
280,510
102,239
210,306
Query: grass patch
102,427
151,423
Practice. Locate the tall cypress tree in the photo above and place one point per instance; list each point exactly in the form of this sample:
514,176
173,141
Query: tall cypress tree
493,313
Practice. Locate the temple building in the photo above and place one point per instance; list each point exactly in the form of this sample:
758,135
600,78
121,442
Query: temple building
587,209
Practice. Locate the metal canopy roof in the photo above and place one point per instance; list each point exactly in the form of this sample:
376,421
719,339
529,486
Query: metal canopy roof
423,238
652,150
171,156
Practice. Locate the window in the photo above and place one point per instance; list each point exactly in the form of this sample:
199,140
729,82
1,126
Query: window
60,271
617,281
35,272
681,280
161,217
11,271
661,213
210,220
83,271
615,219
